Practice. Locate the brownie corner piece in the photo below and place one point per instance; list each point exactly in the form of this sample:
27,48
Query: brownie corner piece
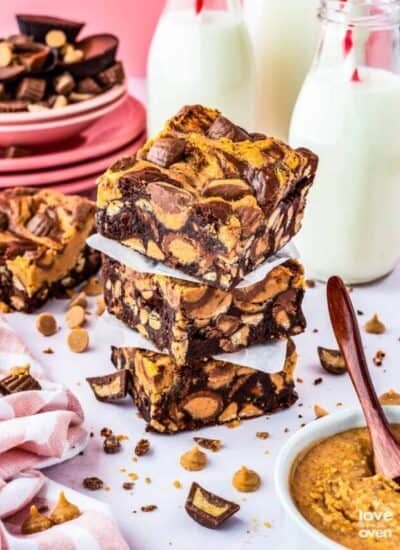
207,197
192,320
43,247
173,398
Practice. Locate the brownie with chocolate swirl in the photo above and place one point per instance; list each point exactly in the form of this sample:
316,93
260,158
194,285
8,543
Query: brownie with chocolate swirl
43,247
206,197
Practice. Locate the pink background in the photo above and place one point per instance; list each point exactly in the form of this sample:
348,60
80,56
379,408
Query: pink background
132,20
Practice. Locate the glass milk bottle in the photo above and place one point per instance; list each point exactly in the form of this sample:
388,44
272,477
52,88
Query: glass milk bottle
201,54
348,113
284,35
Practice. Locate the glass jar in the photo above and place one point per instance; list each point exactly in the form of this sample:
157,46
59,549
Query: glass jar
203,57
284,34
348,113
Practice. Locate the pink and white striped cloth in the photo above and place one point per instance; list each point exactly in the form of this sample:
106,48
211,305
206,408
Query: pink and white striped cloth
37,428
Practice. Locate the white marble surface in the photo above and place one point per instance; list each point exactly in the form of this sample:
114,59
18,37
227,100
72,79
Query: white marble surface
169,526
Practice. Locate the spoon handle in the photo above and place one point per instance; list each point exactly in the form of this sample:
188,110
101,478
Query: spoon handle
344,323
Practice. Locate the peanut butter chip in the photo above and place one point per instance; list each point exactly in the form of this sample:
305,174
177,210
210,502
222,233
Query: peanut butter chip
35,522
375,325
320,411
78,340
64,510
193,460
390,398
46,324
75,316
245,480
6,54
56,38
93,287
101,306
79,300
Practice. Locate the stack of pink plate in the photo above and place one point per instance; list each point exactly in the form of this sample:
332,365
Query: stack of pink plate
70,147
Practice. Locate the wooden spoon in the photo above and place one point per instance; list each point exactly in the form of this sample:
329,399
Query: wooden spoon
385,447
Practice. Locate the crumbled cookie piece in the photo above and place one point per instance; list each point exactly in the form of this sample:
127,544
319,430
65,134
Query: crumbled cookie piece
93,483
262,435
112,445
48,351
64,510
213,445
375,325
378,358
75,317
78,340
93,287
106,432
332,360
207,508
246,481
142,447
320,411
35,522
318,381
46,324
128,485
390,398
193,460
149,508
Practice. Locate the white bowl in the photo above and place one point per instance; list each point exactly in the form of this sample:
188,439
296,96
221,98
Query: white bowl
50,115
297,530
42,133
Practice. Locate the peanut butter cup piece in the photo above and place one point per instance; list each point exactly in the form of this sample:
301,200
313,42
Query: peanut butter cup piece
98,53
37,26
208,509
332,360
110,387
166,151
224,128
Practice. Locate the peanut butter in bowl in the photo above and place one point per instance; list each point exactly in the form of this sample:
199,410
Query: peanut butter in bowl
334,486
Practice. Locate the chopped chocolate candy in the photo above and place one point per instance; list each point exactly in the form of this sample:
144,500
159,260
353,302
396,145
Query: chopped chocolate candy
18,380
88,86
106,432
213,445
93,483
64,83
110,387
149,508
112,75
142,447
224,128
43,224
166,151
332,360
112,445
13,106
208,509
123,164
31,89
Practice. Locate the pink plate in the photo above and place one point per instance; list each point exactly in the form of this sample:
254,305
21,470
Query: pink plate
64,173
42,133
111,132
87,185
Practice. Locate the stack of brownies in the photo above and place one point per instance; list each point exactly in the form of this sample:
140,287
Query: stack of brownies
214,202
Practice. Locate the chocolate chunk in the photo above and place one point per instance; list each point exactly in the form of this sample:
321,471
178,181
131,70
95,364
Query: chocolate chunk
123,164
109,387
92,483
112,445
43,224
13,151
112,75
208,509
31,89
64,83
166,151
332,360
3,221
142,447
17,383
224,128
88,86
13,106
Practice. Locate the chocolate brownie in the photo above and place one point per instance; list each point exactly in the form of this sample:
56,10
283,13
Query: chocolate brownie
43,247
191,320
206,197
173,398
